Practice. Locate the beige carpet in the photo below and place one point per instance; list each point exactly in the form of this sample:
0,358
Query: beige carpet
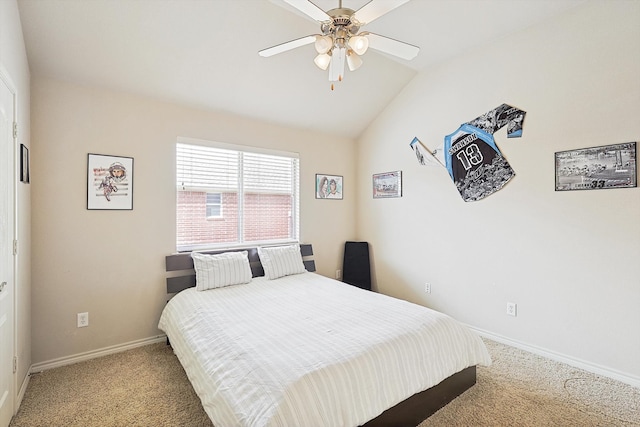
147,387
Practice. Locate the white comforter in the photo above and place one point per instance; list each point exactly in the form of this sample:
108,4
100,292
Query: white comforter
306,350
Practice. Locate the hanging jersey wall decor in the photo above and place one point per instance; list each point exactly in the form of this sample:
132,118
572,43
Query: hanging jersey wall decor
471,156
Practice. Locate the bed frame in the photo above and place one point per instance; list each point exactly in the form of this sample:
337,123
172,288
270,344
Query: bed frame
408,413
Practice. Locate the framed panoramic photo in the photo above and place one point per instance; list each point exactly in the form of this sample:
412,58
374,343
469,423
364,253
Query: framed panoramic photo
109,182
328,186
596,168
387,185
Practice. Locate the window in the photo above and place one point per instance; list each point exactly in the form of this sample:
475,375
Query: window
214,205
251,193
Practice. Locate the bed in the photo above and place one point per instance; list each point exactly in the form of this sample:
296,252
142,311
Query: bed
301,349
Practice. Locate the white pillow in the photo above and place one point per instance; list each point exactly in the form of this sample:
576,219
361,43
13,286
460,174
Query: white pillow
281,261
216,271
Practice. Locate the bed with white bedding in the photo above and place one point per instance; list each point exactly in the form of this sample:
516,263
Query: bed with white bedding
305,350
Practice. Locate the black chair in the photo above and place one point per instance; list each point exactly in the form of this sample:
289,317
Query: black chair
356,269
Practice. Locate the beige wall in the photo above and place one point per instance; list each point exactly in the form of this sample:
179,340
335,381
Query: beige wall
111,263
570,260
14,66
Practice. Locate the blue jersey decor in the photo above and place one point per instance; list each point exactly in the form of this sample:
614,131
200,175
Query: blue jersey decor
471,156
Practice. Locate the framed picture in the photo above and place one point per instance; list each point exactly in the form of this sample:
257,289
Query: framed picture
387,185
328,186
109,182
24,164
596,168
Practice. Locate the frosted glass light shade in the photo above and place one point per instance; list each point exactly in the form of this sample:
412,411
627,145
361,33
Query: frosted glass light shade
323,44
322,61
353,61
359,44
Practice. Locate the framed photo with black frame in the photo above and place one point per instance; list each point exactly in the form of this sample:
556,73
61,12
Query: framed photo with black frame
597,168
328,186
109,182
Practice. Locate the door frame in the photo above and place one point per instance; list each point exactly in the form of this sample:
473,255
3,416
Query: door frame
13,220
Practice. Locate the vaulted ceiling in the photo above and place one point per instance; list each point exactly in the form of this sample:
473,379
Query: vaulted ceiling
204,53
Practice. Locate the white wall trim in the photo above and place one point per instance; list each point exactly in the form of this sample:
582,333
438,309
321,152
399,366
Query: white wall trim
81,357
563,358
21,393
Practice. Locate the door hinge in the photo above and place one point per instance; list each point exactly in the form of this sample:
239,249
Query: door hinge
15,364
15,130
15,247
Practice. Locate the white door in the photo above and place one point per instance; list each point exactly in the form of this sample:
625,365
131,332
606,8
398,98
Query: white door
6,254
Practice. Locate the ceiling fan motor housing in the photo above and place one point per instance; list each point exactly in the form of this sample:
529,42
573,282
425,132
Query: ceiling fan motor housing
342,24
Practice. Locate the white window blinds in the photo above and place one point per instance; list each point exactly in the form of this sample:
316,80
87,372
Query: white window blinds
206,168
259,196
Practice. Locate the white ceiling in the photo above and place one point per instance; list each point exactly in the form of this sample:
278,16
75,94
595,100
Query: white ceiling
203,53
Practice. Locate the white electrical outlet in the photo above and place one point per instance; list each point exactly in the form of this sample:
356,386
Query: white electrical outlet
83,320
338,274
427,288
512,308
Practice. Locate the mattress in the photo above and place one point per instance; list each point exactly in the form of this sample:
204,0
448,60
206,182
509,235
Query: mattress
305,350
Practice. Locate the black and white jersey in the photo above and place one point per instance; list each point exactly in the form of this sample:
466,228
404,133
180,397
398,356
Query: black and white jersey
472,157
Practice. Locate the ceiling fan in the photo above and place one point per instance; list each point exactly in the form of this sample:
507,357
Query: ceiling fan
340,40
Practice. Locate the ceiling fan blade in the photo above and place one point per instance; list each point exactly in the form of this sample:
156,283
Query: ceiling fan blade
283,47
392,47
375,9
309,9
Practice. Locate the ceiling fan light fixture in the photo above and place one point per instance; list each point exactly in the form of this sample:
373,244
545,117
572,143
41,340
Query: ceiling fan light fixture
340,42
359,44
323,44
353,60
322,61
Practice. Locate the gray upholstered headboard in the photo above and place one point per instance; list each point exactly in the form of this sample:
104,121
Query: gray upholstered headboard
183,263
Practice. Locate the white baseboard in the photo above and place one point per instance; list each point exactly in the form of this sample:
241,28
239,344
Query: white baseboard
81,357
23,390
562,358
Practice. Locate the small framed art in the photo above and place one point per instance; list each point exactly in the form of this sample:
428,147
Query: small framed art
387,185
596,168
24,164
109,182
328,186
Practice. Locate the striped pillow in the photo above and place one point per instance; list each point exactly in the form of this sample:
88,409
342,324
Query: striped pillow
216,271
281,261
